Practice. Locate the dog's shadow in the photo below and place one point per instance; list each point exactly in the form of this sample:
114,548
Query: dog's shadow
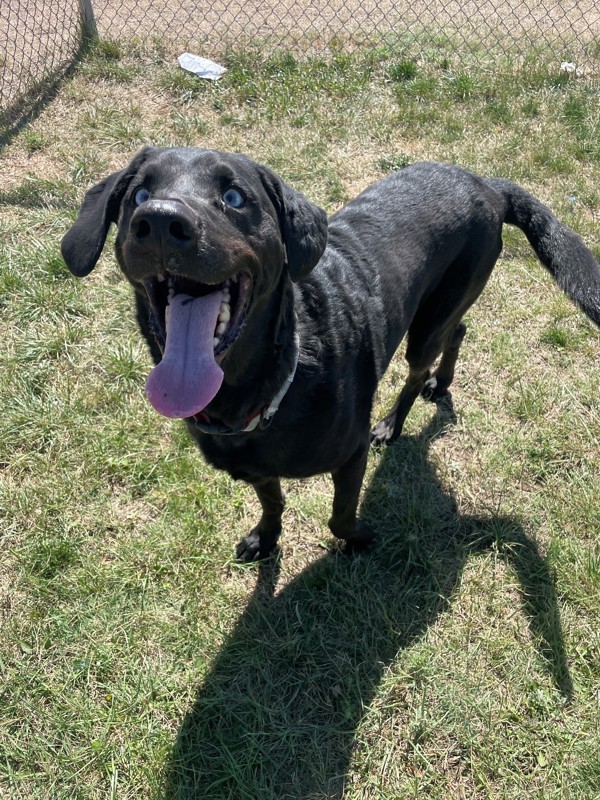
276,715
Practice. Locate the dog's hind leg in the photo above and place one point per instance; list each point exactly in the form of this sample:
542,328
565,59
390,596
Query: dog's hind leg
347,481
437,330
436,387
389,428
261,541
425,343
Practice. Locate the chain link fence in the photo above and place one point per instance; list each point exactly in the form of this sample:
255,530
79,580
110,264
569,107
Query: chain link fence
41,39
567,24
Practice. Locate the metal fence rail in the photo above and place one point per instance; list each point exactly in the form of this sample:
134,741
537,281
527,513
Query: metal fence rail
40,39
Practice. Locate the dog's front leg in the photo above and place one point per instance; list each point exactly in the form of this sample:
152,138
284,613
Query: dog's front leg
347,481
262,539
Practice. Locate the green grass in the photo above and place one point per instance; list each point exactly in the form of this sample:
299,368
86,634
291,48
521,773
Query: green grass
461,657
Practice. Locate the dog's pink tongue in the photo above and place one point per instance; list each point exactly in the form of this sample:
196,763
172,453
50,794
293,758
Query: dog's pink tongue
187,378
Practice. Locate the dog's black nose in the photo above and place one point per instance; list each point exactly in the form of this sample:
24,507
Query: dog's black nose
164,226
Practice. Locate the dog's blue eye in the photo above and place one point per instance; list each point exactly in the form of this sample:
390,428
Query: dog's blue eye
141,196
234,198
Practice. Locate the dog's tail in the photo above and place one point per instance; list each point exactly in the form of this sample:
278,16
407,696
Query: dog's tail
558,247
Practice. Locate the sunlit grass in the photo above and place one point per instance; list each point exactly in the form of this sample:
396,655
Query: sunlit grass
460,658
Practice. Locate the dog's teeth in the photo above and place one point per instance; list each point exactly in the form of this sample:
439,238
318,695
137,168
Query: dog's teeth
170,285
224,313
221,328
216,342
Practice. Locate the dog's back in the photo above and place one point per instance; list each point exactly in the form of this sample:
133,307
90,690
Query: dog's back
392,246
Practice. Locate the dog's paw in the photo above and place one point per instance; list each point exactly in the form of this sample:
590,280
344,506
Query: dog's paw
381,434
257,546
361,541
434,390
248,549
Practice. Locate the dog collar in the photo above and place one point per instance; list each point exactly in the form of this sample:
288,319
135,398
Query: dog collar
261,419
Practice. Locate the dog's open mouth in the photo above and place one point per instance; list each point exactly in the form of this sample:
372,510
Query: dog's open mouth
236,293
196,324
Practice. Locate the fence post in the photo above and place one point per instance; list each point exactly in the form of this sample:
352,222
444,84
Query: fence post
87,19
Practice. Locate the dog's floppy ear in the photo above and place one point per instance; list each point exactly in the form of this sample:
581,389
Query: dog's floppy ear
303,225
82,244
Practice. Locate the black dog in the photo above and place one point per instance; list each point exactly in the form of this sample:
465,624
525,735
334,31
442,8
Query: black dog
250,299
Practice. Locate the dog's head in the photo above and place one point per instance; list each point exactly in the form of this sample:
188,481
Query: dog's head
202,230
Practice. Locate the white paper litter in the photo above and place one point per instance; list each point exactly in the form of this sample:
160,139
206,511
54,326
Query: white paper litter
202,67
571,69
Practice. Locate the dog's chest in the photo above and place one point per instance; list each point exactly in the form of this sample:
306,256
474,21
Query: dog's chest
249,456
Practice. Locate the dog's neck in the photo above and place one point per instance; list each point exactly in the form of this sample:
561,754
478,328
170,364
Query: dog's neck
262,418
